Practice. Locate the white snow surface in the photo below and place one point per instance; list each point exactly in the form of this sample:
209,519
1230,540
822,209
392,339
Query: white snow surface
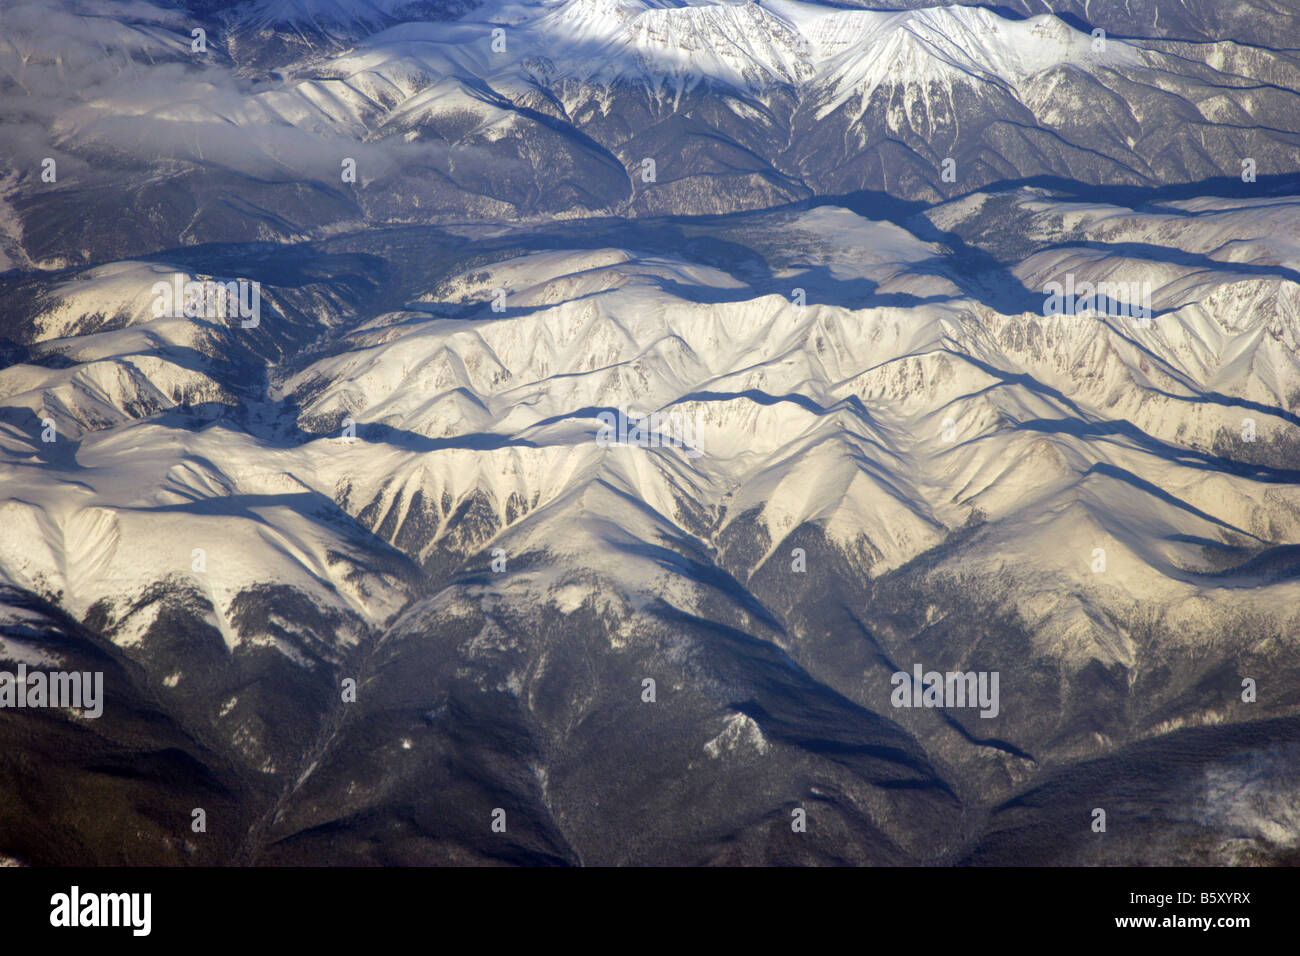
887,426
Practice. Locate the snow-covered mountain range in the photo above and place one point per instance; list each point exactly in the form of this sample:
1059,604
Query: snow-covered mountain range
537,110
396,474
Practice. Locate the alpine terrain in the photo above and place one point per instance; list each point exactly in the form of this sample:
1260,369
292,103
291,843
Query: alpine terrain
650,432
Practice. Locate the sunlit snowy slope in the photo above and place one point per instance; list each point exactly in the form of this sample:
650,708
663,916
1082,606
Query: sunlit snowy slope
872,446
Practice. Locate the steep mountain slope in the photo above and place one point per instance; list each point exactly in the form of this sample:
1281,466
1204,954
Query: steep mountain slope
301,120
395,482
635,388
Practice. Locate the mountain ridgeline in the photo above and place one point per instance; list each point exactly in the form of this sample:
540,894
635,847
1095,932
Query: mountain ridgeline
938,339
